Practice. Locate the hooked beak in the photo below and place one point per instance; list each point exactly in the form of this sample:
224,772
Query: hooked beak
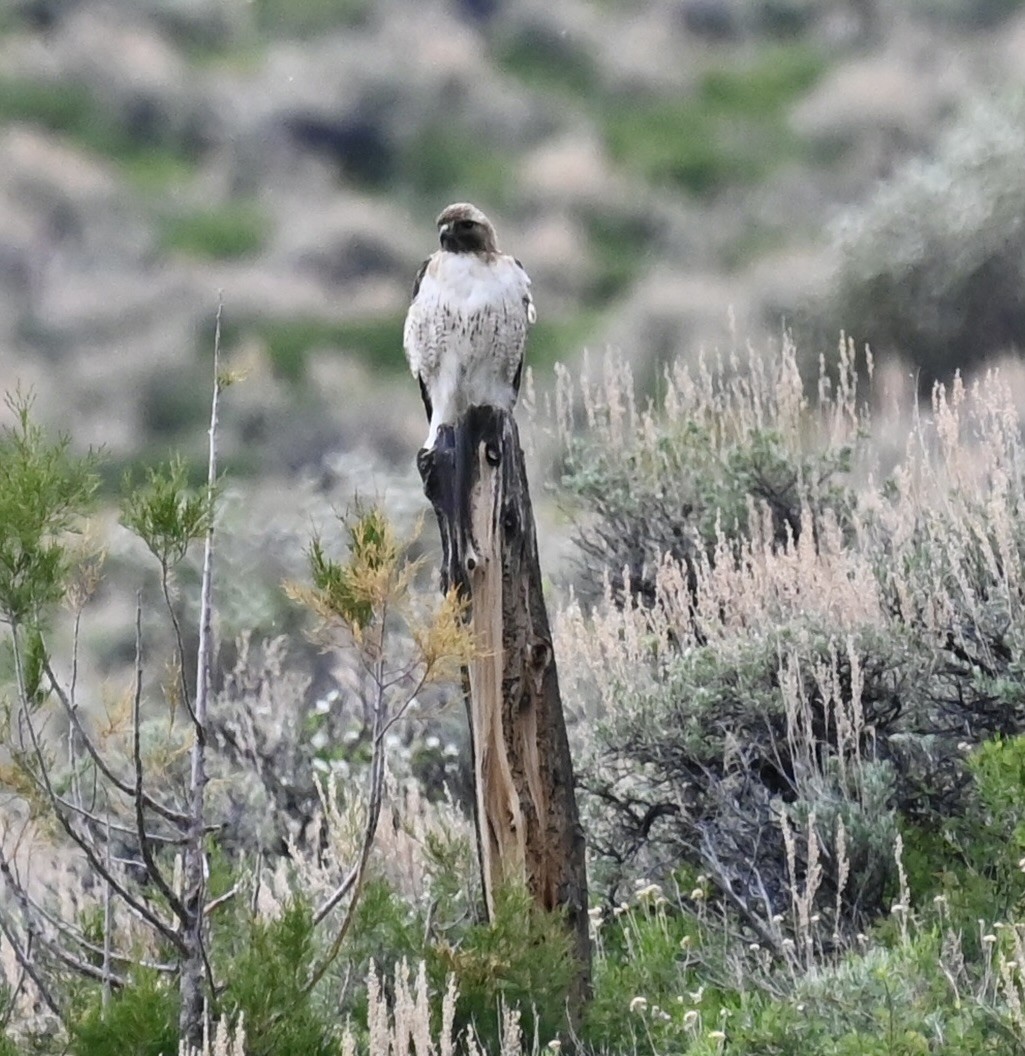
445,235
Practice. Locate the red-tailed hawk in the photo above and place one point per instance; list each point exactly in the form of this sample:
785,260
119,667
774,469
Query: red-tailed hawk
467,324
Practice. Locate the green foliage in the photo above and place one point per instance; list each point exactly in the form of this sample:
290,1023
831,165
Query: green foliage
304,18
931,267
174,404
557,340
385,930
733,724
227,232
547,61
521,957
733,128
289,342
165,512
972,860
444,162
645,951
140,1020
968,14
44,492
351,591
677,494
879,1003
618,245
266,983
68,108
334,581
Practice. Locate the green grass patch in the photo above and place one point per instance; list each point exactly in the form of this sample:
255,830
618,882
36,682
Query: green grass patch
447,163
546,61
175,404
731,130
307,17
226,232
618,245
377,341
558,340
72,111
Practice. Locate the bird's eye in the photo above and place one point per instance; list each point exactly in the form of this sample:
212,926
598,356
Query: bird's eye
464,225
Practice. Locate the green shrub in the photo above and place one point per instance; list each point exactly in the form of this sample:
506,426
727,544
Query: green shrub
781,674
266,984
618,245
671,494
931,267
520,958
885,1002
646,978
971,859
72,110
968,14
140,1020
308,17
238,229
546,60
377,341
45,490
723,792
443,161
171,406
731,130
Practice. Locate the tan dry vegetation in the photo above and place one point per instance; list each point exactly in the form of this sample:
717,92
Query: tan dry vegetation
955,489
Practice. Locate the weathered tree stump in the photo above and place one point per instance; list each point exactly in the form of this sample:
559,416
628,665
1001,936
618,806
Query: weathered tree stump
528,828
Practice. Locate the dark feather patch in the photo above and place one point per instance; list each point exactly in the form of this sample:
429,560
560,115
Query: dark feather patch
424,394
421,271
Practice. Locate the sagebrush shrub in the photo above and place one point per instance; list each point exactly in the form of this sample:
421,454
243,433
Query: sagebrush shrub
674,481
773,707
933,266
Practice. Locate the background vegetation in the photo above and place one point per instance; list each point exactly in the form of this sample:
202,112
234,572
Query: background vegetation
800,736
789,594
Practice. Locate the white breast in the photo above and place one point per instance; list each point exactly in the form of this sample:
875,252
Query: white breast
465,332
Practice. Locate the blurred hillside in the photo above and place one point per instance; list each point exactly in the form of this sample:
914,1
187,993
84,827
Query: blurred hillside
655,164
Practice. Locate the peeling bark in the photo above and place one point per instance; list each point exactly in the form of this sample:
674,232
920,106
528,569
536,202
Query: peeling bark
528,827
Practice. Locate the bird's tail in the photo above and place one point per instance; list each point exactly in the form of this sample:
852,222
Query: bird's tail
464,455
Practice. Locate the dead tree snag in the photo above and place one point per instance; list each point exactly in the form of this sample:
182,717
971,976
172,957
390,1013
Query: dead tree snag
528,827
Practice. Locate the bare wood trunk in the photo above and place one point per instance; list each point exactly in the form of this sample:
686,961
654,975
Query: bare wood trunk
528,827
192,984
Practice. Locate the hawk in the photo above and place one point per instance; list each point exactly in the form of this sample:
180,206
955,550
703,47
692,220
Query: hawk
467,323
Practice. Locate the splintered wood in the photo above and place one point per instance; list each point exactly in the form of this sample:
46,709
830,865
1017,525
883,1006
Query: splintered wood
528,828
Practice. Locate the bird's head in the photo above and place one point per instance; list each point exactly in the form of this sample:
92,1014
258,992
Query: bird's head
463,228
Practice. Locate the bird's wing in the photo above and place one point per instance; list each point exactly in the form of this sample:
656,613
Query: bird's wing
528,304
531,313
419,278
410,341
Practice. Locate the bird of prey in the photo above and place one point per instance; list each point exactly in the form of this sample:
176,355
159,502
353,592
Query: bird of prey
467,323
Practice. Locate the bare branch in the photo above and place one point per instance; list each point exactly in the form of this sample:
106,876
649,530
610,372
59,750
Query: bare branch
195,961
24,959
377,769
220,900
337,895
183,684
24,956
173,816
85,845
145,847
